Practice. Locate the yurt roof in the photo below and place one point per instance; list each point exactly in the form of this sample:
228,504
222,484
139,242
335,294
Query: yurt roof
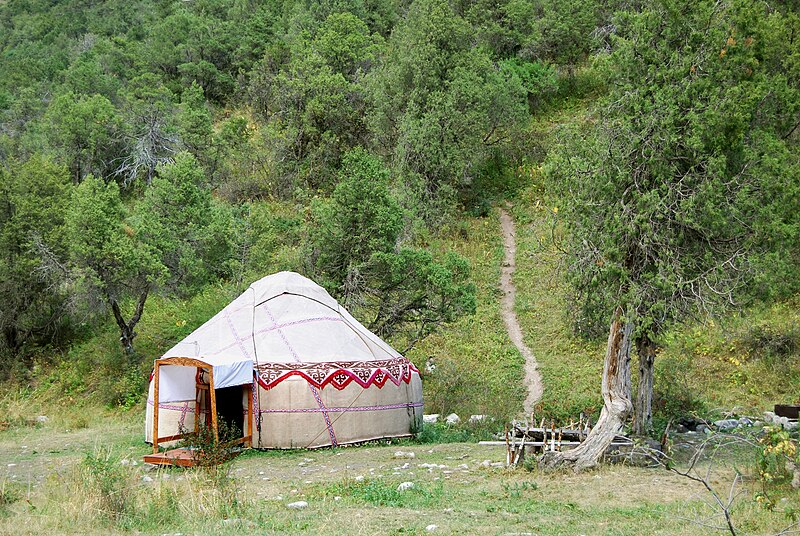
281,318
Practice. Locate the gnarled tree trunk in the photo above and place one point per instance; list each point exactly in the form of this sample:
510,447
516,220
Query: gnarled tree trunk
617,404
126,329
643,421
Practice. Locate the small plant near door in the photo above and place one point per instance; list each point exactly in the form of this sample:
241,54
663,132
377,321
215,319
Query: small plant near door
207,450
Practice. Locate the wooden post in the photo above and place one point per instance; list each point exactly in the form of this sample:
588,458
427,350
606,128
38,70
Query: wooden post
198,398
155,407
250,415
213,403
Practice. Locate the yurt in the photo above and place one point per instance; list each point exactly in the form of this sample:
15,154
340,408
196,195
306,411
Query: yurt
287,367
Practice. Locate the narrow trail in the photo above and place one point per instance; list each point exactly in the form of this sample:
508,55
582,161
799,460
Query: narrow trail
533,380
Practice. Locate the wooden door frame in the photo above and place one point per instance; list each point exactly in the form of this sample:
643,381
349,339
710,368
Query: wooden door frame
247,438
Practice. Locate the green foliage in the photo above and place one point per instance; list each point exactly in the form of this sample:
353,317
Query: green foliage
674,396
403,291
110,261
360,219
192,235
690,165
540,80
562,32
86,130
777,460
9,494
212,452
773,341
32,199
440,106
106,477
344,42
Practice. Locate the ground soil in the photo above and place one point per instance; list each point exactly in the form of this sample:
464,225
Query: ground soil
533,379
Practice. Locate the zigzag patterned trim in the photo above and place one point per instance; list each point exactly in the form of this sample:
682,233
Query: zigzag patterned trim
339,374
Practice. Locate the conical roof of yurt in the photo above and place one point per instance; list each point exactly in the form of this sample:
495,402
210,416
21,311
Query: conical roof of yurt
321,378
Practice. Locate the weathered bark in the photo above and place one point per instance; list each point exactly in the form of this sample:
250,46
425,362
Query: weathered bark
126,329
617,406
643,421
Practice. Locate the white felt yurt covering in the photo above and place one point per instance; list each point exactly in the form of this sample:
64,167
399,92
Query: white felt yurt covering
319,377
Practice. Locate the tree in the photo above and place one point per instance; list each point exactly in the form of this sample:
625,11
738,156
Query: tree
440,107
107,257
686,174
152,139
87,132
345,43
404,291
33,197
190,234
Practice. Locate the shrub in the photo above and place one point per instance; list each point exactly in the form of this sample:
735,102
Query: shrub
773,340
106,481
673,398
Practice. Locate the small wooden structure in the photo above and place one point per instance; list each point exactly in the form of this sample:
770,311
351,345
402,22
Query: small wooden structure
522,437
205,396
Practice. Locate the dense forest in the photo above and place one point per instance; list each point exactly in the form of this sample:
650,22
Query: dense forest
162,148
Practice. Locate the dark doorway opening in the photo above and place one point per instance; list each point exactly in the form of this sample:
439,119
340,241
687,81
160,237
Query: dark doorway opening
230,411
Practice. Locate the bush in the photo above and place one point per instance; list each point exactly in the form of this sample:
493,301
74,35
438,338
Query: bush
107,482
772,340
673,397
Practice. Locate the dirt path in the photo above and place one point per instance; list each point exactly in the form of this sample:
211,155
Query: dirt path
533,380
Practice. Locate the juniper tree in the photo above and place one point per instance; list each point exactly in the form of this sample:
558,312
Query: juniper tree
687,174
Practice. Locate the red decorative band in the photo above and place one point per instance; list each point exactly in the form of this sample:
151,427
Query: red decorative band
339,374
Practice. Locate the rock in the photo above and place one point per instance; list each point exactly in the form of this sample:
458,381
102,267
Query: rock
405,486
41,419
453,419
769,417
498,464
433,418
473,419
726,424
431,528
745,421
701,428
430,365
690,423
298,505
486,463
359,478
758,424
337,498
400,454
681,429
146,478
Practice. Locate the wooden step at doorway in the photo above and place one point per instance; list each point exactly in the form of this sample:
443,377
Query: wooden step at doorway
181,457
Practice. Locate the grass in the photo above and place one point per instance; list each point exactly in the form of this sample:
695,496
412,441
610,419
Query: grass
570,366
478,370
743,363
75,484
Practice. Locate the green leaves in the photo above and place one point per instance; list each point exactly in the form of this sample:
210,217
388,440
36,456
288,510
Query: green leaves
672,195
440,106
355,253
